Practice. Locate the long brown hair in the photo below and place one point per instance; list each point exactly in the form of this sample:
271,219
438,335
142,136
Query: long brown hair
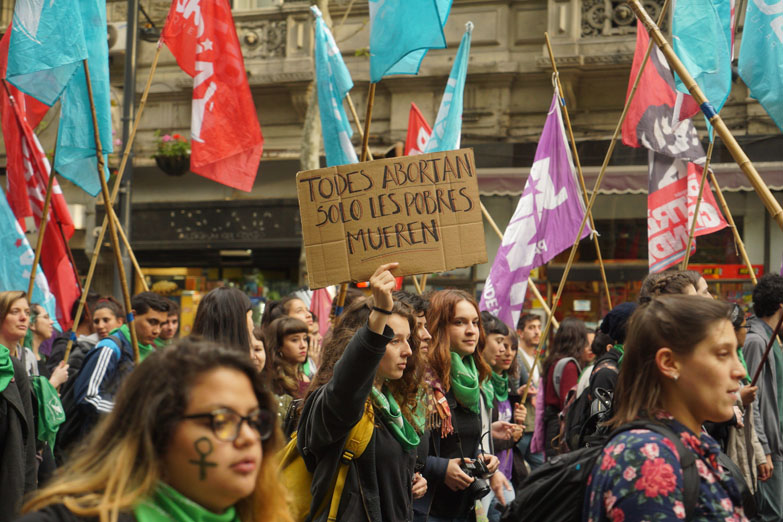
285,374
439,316
678,322
570,341
120,462
354,317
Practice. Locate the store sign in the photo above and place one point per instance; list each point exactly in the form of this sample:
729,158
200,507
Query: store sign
726,271
421,211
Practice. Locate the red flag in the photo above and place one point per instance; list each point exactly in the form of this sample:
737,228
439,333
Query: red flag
225,133
652,111
418,132
671,203
27,172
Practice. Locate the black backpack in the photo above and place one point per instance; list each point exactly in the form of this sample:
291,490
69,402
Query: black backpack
583,415
555,491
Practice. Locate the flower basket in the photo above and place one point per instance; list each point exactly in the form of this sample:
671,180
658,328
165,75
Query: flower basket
173,165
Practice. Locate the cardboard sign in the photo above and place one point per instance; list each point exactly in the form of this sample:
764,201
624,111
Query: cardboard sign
421,211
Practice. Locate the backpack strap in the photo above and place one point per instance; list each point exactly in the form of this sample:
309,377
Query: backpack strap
690,474
558,375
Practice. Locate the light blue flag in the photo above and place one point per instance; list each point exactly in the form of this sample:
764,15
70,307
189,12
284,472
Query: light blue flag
447,130
401,33
16,260
46,47
761,56
334,82
75,156
701,36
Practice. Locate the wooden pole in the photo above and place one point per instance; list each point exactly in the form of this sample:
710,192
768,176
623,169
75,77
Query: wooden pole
424,283
365,153
590,204
41,234
135,262
357,122
112,218
578,163
737,239
531,285
687,257
417,285
761,188
114,192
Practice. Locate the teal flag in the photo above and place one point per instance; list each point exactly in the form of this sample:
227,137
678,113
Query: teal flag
761,56
334,83
401,33
447,130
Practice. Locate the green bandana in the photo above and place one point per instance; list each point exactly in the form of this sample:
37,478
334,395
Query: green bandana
168,504
500,383
6,368
50,409
307,368
619,348
144,349
393,419
465,383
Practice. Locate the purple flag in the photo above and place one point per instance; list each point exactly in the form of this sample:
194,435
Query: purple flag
544,224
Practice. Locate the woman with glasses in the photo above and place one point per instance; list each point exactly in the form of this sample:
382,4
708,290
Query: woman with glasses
369,369
191,438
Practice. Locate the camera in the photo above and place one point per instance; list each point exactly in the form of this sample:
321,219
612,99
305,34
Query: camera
477,469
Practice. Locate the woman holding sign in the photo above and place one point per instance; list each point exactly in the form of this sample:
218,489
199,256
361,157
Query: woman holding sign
367,378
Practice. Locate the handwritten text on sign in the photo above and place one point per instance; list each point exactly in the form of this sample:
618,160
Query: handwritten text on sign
422,211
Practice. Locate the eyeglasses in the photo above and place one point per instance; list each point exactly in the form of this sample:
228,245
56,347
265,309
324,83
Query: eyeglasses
226,423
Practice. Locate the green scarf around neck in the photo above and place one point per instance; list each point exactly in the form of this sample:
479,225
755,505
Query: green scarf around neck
168,504
6,368
393,419
465,383
500,384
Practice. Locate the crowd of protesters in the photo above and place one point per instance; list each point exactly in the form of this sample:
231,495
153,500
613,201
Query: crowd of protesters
456,413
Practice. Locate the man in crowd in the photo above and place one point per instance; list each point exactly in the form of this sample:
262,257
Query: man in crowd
169,329
768,406
529,332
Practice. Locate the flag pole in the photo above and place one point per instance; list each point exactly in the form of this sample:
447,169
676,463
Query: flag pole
112,218
773,207
365,153
135,262
696,208
567,118
356,122
417,285
114,192
530,284
424,282
590,203
41,233
737,239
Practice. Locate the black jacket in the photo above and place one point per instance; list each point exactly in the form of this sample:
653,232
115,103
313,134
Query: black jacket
59,513
18,467
328,416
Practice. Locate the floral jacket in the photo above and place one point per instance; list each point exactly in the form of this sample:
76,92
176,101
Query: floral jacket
639,479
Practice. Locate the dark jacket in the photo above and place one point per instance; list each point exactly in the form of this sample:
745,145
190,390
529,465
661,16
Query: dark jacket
328,416
765,407
18,467
59,513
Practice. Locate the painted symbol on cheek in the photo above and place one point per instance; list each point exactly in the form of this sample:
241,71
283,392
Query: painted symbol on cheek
203,447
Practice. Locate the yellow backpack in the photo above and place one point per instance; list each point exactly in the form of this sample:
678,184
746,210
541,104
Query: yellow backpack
298,479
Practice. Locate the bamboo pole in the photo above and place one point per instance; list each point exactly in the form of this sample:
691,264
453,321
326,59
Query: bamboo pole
773,207
365,154
112,218
41,234
416,284
135,262
578,163
114,192
531,285
424,283
593,196
737,239
356,122
692,232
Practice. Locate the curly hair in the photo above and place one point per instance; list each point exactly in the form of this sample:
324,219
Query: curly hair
672,283
349,322
768,295
440,315
285,374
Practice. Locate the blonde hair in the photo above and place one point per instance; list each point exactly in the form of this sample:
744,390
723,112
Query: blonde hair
118,465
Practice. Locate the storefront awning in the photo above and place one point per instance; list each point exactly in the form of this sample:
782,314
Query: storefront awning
632,179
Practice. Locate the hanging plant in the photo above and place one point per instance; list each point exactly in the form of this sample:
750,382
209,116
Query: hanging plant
173,153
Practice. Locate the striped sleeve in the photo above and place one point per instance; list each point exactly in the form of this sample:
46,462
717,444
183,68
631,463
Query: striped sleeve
103,365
